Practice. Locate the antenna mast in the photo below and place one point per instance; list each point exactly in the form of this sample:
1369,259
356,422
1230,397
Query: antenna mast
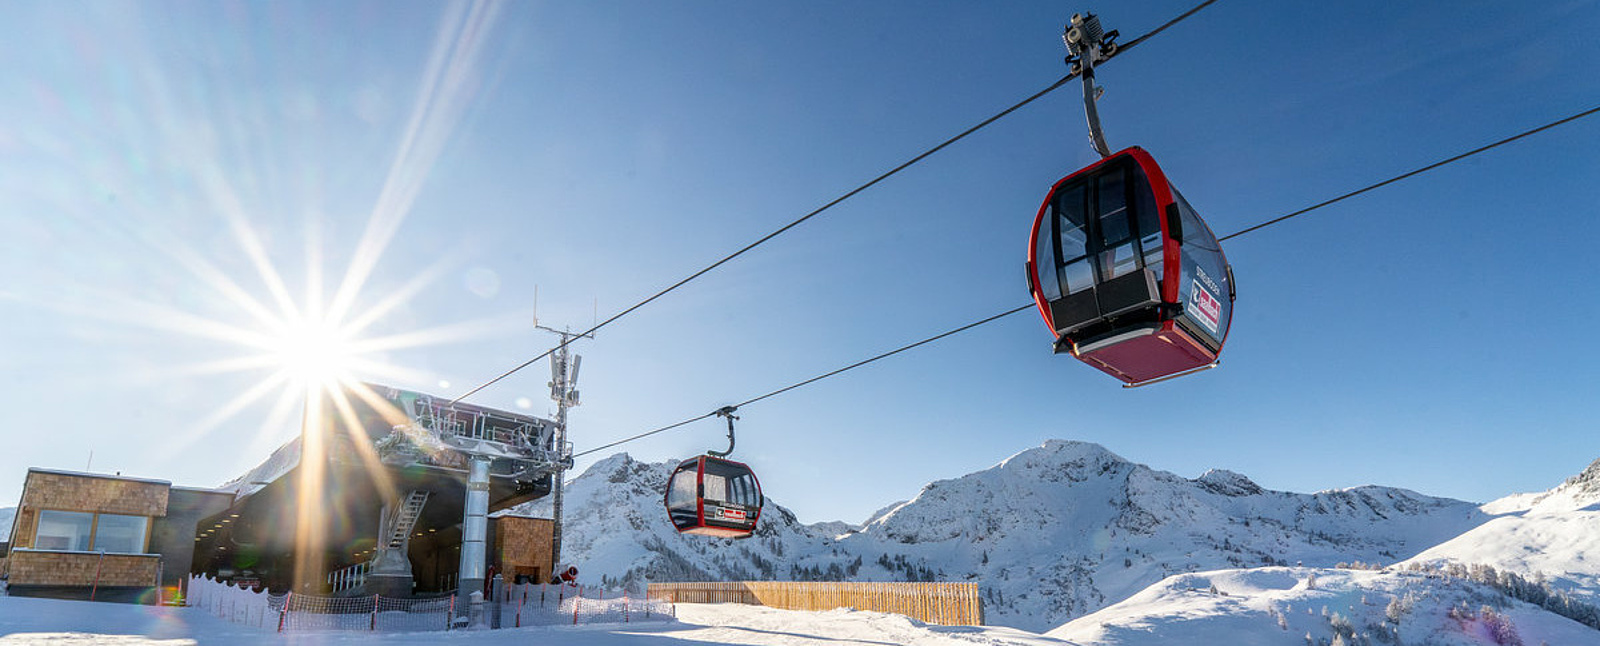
564,391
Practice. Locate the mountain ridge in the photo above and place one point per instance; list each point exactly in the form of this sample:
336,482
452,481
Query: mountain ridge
1053,532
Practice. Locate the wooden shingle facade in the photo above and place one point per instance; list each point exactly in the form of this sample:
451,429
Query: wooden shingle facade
105,537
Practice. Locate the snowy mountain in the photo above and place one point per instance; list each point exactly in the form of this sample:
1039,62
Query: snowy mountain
7,516
1551,537
1053,533
1283,606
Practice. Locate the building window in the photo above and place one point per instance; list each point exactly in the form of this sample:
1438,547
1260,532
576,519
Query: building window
114,533
64,530
84,532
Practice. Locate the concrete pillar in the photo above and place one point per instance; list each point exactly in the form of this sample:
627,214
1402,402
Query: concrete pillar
391,568
475,529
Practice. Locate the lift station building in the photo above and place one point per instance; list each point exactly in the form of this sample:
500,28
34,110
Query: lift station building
382,493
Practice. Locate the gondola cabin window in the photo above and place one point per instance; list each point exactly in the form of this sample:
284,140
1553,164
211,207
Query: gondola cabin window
683,490
1205,284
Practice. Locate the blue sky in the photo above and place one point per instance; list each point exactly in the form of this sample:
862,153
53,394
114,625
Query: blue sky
1430,335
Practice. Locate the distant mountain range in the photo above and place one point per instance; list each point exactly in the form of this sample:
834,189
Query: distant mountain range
1064,530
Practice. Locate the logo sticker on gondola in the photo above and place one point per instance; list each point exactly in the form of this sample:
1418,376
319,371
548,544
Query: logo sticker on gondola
730,514
1204,307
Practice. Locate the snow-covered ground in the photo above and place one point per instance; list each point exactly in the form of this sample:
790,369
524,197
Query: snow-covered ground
1284,606
69,623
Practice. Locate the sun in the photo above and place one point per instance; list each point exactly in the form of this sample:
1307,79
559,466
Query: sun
315,353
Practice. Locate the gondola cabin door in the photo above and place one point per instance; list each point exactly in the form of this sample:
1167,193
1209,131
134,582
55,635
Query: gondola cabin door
711,496
1127,276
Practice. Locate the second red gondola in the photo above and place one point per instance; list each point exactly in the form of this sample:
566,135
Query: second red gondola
712,496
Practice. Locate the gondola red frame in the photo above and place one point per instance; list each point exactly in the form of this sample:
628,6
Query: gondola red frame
723,518
1157,345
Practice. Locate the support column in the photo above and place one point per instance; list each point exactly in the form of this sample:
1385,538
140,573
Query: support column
390,575
474,530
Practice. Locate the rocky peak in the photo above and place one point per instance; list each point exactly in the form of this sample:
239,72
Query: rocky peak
1587,481
1228,483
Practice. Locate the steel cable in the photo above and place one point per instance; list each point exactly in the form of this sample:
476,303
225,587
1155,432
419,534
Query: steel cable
852,193
1015,310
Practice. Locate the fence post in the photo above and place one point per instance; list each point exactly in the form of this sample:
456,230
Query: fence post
521,603
624,605
374,612
577,599
283,612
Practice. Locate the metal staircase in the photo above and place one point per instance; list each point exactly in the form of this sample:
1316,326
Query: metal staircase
405,519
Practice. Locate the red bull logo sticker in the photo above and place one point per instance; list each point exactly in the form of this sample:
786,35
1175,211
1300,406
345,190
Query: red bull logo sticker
731,514
1204,307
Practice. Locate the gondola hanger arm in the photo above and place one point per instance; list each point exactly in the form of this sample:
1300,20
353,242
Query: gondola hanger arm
726,411
1089,45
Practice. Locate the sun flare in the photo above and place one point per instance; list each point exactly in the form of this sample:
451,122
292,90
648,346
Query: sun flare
315,353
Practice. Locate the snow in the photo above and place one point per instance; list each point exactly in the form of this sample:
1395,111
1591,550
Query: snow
1551,537
1578,492
69,623
1280,606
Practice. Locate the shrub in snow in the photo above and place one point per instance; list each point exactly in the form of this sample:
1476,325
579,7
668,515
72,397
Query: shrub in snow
1500,627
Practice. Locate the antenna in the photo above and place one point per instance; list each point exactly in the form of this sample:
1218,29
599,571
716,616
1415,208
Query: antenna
563,381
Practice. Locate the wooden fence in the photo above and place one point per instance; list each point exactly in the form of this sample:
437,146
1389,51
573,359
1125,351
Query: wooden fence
948,604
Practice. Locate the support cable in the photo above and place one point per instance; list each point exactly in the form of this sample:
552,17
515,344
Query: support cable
1416,172
810,381
1030,304
852,193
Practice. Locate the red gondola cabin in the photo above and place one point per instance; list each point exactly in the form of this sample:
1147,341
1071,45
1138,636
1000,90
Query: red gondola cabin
711,496
1125,273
